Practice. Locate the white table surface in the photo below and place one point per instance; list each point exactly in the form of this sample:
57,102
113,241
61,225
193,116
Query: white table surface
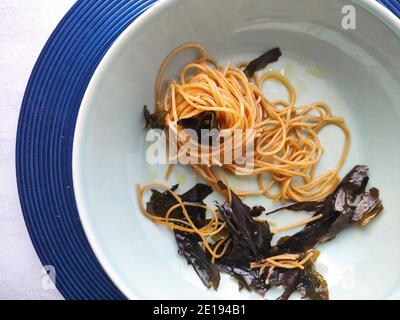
25,25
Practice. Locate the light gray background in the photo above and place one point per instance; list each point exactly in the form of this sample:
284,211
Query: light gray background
25,25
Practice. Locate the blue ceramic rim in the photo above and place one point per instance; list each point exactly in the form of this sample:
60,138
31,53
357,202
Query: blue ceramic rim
45,137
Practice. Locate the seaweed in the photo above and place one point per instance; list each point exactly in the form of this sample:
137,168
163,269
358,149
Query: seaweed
262,61
256,211
349,203
250,240
154,120
256,234
368,208
160,203
189,247
205,125
188,244
308,282
308,206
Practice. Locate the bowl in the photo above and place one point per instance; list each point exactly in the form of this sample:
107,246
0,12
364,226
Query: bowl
350,64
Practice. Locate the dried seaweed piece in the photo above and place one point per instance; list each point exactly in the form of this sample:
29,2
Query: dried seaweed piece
238,254
312,284
189,247
347,204
307,238
289,279
256,234
250,240
262,61
368,208
308,206
197,194
247,278
207,121
308,282
160,203
256,211
154,120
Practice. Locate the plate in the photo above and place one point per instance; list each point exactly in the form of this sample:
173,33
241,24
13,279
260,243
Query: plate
46,133
355,71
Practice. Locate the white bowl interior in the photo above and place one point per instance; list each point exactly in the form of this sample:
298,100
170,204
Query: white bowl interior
355,71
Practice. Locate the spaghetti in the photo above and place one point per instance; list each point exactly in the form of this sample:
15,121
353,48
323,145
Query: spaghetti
287,149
